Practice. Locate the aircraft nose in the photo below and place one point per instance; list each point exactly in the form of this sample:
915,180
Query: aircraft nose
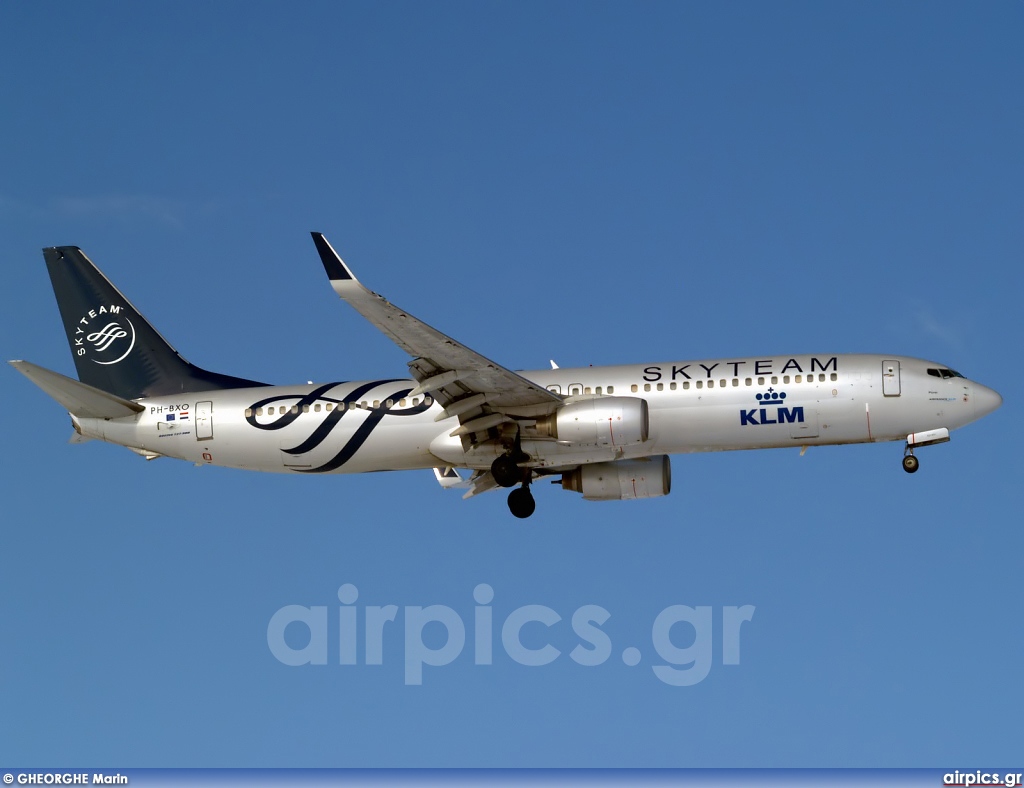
985,400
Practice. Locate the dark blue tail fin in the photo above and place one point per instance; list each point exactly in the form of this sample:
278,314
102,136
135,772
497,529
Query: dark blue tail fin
115,349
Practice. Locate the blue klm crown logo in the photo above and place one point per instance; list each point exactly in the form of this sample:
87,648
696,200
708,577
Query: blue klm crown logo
782,415
771,397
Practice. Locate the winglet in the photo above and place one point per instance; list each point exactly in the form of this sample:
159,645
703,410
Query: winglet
333,264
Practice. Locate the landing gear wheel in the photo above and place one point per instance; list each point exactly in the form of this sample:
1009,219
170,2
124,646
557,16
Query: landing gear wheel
521,502
505,471
911,463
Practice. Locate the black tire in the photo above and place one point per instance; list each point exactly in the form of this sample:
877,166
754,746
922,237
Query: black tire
505,472
911,463
521,503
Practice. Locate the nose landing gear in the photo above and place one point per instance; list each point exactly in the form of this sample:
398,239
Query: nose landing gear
918,439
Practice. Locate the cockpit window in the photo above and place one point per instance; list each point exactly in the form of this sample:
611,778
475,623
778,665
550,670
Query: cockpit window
944,373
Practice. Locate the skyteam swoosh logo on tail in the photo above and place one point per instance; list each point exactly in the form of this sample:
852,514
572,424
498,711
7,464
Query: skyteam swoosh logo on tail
109,342
103,339
324,421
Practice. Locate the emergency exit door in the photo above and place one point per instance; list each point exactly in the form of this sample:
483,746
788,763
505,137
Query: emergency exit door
891,378
204,421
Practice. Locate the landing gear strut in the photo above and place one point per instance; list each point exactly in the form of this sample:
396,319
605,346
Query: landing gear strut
507,473
505,469
910,462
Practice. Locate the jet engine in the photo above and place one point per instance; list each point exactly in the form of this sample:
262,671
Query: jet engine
603,421
624,480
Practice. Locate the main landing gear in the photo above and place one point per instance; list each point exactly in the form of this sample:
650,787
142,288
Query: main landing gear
507,473
521,502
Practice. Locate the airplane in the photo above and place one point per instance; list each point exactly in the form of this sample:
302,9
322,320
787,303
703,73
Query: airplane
605,432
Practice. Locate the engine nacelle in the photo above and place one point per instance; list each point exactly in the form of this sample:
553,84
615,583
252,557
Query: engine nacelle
624,480
603,421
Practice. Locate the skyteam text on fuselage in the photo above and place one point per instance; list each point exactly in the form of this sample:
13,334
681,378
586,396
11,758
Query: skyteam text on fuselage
605,432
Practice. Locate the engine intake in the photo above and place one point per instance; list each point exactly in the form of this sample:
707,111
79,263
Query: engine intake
603,421
623,480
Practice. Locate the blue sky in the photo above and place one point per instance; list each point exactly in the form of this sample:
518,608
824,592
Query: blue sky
594,183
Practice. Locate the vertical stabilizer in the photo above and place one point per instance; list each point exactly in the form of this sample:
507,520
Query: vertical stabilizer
114,347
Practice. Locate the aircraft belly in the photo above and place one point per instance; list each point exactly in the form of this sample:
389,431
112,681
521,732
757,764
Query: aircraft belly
356,445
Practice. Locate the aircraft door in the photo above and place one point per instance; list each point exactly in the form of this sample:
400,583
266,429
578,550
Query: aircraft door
204,421
891,378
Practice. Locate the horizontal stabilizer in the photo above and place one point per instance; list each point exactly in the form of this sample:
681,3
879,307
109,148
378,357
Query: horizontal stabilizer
80,399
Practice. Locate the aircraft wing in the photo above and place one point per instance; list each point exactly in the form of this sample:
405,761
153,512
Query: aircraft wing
480,392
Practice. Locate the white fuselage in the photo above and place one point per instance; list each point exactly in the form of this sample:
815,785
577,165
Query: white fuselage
717,405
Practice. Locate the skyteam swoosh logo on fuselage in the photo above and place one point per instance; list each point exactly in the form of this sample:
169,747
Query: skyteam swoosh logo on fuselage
300,406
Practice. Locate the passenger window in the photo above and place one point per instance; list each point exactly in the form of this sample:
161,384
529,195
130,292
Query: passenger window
376,404
686,385
672,385
248,413
295,408
711,384
723,383
749,382
735,382
401,402
611,389
317,407
586,389
352,406
389,404
799,379
821,378
661,387
700,384
305,408
785,378
775,381
428,401
634,388
597,390
647,386
760,381
329,407
834,376
259,411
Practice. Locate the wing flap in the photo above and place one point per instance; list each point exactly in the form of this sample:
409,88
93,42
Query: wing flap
442,366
